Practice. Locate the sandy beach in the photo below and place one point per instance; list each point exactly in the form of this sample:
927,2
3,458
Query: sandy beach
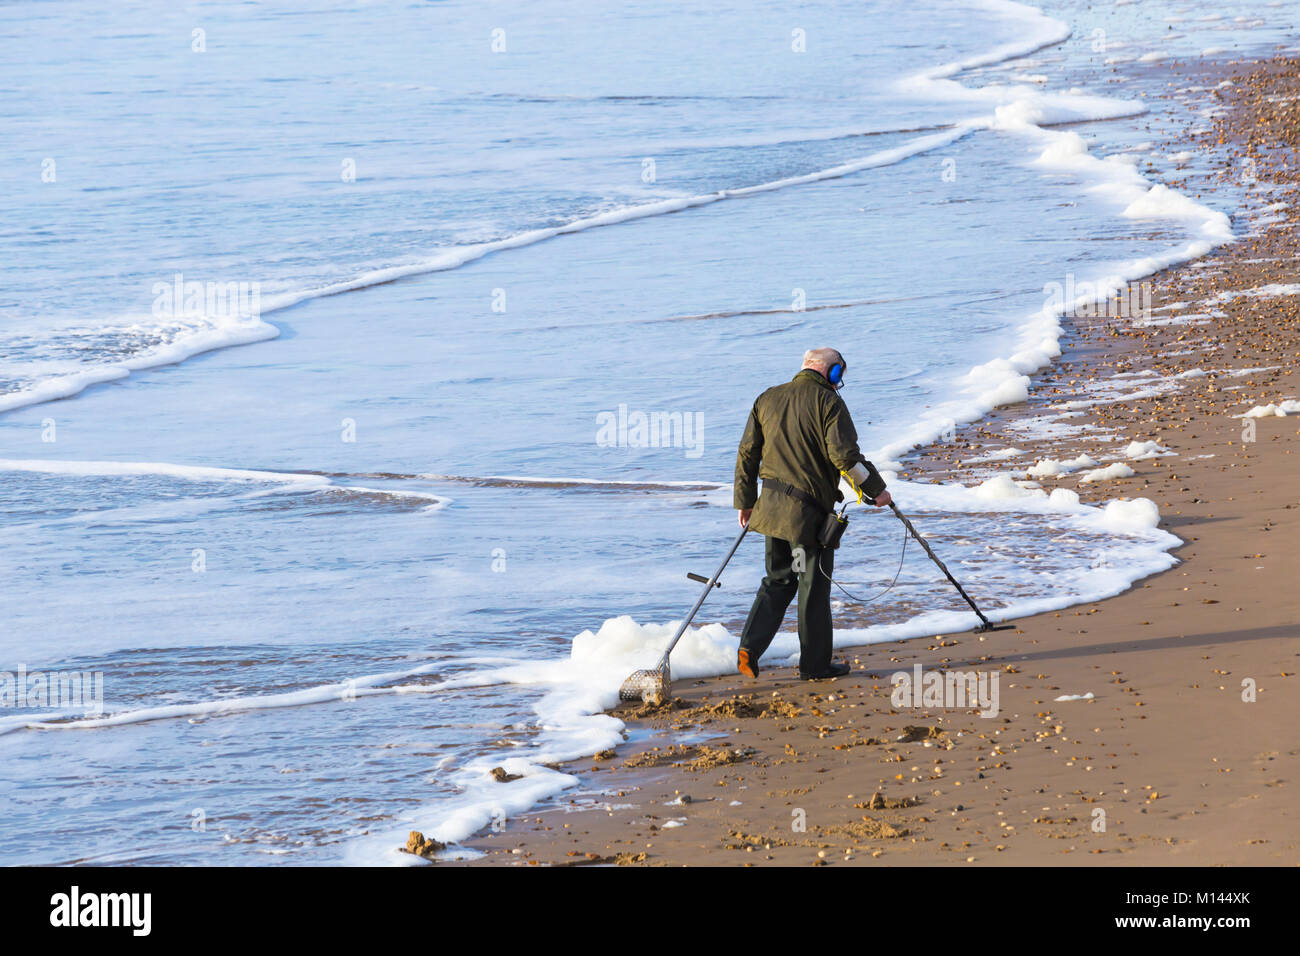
1157,727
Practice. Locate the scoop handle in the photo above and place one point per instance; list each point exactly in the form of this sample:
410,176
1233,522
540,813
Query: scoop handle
705,593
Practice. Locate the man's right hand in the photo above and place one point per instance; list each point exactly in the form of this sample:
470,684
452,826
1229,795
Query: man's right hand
883,499
743,516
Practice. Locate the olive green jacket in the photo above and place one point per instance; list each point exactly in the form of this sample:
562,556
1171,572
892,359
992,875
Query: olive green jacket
799,433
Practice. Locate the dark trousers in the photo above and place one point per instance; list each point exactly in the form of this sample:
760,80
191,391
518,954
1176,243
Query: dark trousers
782,582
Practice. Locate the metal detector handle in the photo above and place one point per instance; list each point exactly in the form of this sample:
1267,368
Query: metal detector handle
707,588
942,567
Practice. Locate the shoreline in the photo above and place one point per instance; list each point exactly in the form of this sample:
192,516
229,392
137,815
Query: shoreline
1183,769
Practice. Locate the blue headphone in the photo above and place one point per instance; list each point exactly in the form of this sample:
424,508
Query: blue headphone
835,374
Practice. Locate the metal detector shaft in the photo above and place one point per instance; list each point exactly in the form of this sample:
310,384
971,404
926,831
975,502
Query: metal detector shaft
987,624
707,588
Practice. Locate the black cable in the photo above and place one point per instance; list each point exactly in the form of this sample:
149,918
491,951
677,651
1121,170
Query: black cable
857,600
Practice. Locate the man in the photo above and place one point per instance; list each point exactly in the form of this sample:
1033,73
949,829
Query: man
798,439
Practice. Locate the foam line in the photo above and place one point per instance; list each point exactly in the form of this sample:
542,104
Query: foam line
282,482
326,693
461,255
523,481
209,337
1029,112
142,468
223,335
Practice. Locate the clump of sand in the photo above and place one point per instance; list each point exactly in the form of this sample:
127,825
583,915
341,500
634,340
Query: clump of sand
701,757
881,802
914,734
710,757
869,829
596,859
656,708
742,707
659,756
417,845
739,840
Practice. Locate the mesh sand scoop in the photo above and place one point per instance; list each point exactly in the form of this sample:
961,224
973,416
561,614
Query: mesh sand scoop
653,686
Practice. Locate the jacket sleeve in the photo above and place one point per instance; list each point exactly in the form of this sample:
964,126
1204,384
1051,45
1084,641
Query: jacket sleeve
745,491
842,448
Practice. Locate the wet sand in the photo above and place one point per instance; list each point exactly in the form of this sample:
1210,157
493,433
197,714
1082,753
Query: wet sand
1166,762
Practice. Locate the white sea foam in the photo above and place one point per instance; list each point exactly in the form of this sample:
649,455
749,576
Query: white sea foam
280,480
207,334
435,502
1116,470
1280,409
1270,291
1003,488
1049,467
1128,515
326,693
163,469
1055,426
1000,455
1140,450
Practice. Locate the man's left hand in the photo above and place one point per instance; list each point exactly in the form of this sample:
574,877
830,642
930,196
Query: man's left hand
883,499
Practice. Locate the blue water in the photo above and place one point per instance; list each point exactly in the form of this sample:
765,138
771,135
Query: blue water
229,165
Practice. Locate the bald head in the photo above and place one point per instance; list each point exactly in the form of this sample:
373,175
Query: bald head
821,360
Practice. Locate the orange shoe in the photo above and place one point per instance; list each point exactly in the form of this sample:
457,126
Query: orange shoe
746,664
